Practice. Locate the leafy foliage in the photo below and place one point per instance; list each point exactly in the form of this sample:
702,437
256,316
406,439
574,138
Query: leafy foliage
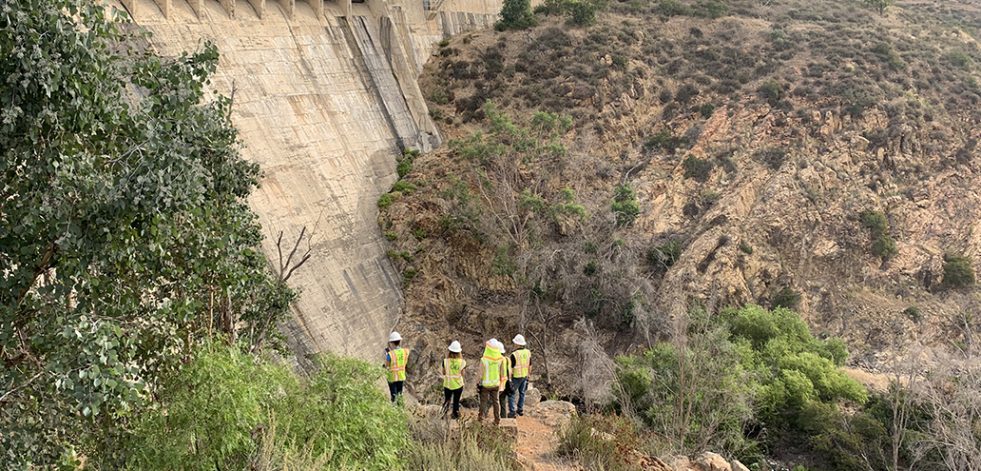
883,246
579,12
209,413
126,236
625,205
698,169
664,256
958,272
516,14
754,366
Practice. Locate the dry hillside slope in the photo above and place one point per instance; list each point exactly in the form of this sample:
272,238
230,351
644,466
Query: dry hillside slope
809,154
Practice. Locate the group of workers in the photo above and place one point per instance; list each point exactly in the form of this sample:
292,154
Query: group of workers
501,378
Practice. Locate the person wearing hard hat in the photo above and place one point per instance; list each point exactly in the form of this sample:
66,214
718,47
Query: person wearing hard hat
396,358
520,368
492,375
506,394
453,366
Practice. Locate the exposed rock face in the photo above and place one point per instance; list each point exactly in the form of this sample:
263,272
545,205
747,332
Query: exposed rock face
325,98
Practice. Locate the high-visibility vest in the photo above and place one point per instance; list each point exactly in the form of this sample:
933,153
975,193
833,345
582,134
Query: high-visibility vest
453,367
522,362
492,372
396,364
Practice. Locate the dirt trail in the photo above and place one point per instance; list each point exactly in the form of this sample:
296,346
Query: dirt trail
536,446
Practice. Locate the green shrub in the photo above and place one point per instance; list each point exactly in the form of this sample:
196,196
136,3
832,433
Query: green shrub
875,222
710,9
625,205
663,140
883,246
786,298
959,59
706,110
958,272
913,313
515,14
671,8
695,394
772,92
403,167
663,256
889,56
745,248
387,199
391,235
211,412
699,169
772,157
403,187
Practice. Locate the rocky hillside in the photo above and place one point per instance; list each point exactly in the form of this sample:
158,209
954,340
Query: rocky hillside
815,155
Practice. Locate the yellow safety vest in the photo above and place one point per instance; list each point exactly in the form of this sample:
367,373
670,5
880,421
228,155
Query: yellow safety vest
454,373
522,362
492,372
396,364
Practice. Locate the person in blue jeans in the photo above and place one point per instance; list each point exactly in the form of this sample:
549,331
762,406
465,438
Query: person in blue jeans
520,369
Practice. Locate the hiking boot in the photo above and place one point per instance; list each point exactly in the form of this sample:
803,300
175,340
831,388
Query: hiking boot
521,413
511,415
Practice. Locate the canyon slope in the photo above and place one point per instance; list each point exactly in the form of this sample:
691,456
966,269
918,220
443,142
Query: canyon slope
818,156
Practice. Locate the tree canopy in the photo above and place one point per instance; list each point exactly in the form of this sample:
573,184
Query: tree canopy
125,237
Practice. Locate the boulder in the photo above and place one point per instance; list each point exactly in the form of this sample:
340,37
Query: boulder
709,461
554,413
678,463
532,397
737,466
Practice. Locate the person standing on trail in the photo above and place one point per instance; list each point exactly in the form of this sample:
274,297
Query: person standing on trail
396,358
520,368
492,373
453,366
506,395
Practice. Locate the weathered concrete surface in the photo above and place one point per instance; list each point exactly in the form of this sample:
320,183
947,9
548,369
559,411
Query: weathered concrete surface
324,103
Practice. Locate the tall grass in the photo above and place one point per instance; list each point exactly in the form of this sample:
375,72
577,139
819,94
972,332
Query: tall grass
470,447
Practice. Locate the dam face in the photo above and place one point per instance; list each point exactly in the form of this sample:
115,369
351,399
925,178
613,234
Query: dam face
325,99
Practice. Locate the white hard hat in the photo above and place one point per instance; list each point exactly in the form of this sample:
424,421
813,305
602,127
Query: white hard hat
455,347
519,340
492,343
500,346
394,337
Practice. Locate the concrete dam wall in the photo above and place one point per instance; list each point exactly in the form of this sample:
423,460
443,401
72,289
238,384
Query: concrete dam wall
325,97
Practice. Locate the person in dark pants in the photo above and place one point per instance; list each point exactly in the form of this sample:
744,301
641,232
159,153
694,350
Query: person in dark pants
492,375
506,394
396,358
453,366
520,368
